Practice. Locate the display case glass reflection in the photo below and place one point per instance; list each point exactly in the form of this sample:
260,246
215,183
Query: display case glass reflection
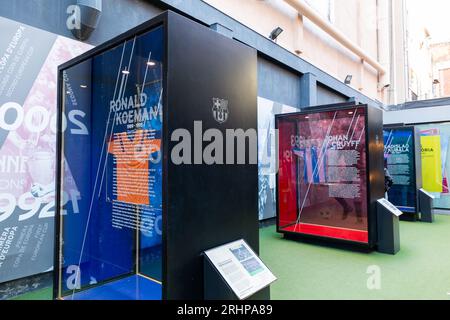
435,141
322,176
399,158
113,170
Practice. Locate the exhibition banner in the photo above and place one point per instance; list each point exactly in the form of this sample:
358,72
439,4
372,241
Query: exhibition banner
431,163
399,154
29,58
267,168
435,140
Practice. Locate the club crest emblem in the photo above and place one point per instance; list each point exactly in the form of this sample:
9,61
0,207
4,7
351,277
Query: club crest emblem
220,110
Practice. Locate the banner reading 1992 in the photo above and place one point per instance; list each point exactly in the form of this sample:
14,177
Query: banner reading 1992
29,58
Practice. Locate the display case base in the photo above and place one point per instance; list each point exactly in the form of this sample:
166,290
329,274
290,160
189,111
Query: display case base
327,242
410,217
135,287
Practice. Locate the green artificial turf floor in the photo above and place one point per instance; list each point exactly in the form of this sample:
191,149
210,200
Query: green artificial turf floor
421,270
42,294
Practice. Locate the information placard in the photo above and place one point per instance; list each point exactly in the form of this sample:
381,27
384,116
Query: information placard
427,193
241,268
393,209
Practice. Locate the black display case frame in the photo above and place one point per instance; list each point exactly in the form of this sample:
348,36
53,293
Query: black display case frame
417,167
374,174
213,215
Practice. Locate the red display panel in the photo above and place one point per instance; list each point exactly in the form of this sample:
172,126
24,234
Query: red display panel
322,176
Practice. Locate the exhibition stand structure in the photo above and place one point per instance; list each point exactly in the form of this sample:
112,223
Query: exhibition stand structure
434,129
331,174
164,208
402,158
150,204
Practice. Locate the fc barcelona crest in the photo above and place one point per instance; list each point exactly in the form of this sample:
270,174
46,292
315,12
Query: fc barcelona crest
220,110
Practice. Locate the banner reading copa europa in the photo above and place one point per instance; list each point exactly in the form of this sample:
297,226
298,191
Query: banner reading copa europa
29,58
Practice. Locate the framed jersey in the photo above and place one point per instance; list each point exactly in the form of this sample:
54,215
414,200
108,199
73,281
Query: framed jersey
143,215
132,153
330,173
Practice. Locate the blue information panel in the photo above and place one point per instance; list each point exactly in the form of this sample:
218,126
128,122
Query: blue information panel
115,166
399,154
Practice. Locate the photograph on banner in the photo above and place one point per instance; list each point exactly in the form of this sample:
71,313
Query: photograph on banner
434,139
28,91
267,109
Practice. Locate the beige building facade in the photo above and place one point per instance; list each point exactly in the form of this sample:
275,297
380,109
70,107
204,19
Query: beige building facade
358,22
440,53
351,34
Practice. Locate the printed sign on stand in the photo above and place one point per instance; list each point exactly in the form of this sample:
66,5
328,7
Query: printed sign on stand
393,209
241,268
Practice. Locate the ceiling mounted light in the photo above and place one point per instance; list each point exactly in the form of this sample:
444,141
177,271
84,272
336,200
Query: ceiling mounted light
348,79
275,33
151,63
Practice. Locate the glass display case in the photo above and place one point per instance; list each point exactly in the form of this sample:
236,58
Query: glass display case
402,161
139,218
435,141
113,171
330,173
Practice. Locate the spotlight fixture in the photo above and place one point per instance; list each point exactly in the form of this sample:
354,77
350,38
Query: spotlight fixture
275,33
350,112
83,86
85,18
151,63
125,71
348,79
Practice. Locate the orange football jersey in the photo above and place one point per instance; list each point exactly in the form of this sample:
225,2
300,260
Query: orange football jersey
132,151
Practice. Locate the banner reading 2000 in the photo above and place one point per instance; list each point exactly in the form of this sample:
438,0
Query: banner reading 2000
29,58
